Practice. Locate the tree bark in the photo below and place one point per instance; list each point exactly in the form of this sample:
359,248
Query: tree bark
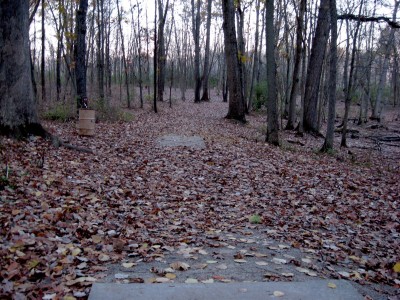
314,70
388,46
196,38
206,96
255,57
349,90
43,56
330,131
161,56
272,110
128,97
296,70
80,54
236,108
18,115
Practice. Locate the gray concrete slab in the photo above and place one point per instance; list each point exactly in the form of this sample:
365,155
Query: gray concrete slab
173,140
309,290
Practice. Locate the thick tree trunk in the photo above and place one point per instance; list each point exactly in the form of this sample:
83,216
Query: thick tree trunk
18,116
296,70
330,131
80,54
273,120
236,108
314,70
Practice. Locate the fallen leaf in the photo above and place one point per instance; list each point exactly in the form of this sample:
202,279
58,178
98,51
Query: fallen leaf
396,267
279,294
344,274
103,257
261,263
128,265
170,275
240,261
121,276
222,266
88,280
331,285
191,280
279,261
179,266
207,281
162,280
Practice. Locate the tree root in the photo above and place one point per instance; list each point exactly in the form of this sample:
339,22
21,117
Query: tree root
36,129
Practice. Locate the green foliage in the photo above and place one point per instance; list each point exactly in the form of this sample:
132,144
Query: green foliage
255,219
105,112
213,81
60,112
149,97
260,91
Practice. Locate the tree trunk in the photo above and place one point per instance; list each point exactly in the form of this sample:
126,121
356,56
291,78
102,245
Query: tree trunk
139,50
100,49
80,54
255,56
330,131
296,70
128,97
196,39
349,90
314,70
18,115
43,56
236,108
161,56
242,51
205,96
377,109
273,119
155,59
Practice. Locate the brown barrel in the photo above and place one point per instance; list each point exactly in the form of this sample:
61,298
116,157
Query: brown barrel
87,122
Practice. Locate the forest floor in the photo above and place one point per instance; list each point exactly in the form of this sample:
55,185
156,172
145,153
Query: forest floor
237,209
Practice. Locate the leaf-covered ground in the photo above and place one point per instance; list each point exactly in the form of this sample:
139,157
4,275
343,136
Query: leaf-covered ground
66,216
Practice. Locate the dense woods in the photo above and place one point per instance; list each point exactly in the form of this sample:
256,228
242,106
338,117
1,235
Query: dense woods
131,51
231,141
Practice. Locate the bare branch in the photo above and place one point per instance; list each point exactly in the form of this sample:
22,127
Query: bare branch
369,19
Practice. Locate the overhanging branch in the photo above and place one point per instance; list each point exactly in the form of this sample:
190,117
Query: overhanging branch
369,19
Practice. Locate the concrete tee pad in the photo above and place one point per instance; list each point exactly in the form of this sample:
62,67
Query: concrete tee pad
309,290
173,140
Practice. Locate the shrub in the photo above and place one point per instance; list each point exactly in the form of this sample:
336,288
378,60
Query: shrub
60,112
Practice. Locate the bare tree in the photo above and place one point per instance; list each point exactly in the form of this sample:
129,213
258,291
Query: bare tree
206,71
124,56
330,131
236,104
272,107
196,37
80,53
314,69
296,70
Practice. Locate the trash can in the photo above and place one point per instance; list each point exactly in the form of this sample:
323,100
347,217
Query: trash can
87,121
